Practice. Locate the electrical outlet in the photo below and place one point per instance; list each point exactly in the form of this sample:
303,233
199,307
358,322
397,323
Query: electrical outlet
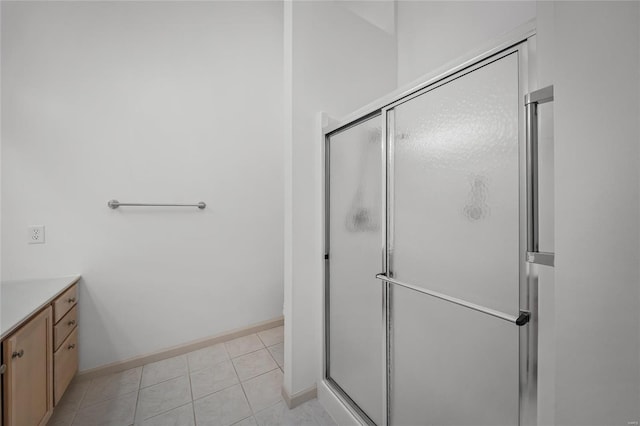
35,234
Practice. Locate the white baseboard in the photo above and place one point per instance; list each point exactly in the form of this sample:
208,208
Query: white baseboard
339,411
298,398
138,361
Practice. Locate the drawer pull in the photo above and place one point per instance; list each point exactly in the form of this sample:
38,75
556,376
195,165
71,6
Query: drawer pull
17,354
71,300
71,346
72,322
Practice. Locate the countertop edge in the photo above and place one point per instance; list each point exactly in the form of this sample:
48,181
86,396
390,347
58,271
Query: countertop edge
74,280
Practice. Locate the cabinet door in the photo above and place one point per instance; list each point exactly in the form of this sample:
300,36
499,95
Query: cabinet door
28,396
65,365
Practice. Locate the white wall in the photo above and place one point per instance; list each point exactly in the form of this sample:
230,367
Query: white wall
340,61
146,101
596,74
434,33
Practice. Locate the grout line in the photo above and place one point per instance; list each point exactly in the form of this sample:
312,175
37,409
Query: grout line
260,338
264,343
272,357
219,390
193,406
270,405
276,344
247,353
261,374
162,381
135,413
105,399
242,420
242,387
75,412
171,409
165,412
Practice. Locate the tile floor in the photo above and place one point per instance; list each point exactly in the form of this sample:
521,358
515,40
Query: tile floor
233,383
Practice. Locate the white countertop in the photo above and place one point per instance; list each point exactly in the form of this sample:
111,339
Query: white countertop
20,299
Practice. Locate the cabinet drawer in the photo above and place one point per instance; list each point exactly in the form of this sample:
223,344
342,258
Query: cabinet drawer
64,303
65,365
62,329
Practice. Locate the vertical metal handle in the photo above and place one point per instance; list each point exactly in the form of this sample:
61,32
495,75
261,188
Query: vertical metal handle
531,102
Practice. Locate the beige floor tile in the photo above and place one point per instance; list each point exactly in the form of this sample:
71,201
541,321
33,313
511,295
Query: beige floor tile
272,336
210,380
320,414
243,345
112,386
73,396
61,418
163,397
249,421
280,415
265,390
114,412
254,364
277,352
164,370
222,408
181,416
207,357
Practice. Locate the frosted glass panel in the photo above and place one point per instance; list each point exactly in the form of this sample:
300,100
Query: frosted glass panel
452,366
355,243
456,175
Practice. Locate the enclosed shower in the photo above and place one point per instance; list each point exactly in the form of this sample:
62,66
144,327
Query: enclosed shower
434,242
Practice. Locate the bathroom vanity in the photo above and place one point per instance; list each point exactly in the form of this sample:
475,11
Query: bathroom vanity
39,335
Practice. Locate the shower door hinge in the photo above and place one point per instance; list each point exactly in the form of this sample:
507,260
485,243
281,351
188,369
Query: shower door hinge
326,256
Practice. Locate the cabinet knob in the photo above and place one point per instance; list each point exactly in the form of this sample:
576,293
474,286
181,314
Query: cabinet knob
71,299
72,322
17,354
71,346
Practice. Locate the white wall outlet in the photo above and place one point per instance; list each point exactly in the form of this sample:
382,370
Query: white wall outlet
35,234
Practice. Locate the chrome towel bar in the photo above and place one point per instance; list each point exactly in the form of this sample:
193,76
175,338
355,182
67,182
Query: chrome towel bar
114,204
520,320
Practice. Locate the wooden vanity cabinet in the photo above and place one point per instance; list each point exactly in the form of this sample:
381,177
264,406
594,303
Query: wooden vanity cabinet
28,379
40,358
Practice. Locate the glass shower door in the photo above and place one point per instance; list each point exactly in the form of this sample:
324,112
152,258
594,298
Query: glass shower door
354,327
455,250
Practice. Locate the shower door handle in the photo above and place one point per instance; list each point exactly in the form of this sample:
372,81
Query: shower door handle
531,102
524,316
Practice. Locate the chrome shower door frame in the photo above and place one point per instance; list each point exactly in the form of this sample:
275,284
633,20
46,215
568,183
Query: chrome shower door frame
524,46
340,393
